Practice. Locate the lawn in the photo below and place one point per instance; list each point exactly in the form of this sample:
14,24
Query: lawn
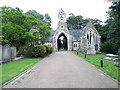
12,69
108,68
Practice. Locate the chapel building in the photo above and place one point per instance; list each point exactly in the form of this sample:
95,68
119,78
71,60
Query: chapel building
87,38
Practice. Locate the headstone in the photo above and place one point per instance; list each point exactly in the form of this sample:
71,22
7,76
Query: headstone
13,52
6,53
0,52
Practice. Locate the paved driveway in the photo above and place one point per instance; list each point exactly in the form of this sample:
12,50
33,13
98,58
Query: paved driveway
64,70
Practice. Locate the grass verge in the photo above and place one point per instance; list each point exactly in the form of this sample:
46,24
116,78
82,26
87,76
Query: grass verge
12,69
108,68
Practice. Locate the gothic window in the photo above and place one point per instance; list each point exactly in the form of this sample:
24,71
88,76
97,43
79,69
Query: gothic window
90,36
76,45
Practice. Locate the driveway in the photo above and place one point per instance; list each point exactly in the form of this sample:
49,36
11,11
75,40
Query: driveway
64,70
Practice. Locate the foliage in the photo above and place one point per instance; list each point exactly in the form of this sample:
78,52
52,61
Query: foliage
114,23
108,47
35,14
47,19
37,51
16,27
75,22
12,69
15,35
109,68
49,50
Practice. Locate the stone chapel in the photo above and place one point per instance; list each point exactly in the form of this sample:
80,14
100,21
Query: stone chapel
87,38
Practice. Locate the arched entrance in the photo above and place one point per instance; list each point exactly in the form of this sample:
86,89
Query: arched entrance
62,42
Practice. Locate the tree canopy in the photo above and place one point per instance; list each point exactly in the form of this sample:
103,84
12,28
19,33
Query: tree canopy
16,28
113,23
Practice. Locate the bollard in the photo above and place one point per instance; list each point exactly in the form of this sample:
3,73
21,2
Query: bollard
101,63
85,55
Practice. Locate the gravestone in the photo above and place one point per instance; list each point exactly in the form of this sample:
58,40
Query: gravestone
13,52
6,53
0,52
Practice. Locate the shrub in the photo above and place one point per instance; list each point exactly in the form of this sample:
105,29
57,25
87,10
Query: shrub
108,47
37,51
49,50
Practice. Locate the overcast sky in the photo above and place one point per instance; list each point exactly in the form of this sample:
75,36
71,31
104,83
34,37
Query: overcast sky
86,8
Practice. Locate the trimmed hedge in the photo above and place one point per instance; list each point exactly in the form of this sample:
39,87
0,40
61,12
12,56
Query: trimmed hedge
38,51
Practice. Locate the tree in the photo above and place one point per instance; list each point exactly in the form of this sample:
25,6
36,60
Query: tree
44,19
114,23
47,19
35,14
16,28
75,22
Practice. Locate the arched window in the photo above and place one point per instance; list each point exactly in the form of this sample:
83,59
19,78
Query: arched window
90,36
76,45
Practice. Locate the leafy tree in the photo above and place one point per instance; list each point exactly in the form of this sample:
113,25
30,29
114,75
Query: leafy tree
47,19
75,22
114,23
108,47
35,14
16,28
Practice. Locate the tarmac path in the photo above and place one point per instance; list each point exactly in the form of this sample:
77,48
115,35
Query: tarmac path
64,70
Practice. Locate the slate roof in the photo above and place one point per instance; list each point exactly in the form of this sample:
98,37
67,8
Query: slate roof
76,34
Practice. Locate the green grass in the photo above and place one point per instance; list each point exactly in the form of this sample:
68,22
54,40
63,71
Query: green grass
12,69
109,68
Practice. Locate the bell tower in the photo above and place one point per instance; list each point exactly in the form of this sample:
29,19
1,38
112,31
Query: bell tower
62,20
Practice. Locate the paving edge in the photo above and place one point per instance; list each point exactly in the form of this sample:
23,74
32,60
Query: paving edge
19,75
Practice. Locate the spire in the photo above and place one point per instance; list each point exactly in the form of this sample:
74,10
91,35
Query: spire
62,20
61,12
61,15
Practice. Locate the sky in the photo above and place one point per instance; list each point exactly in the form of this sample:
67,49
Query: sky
86,8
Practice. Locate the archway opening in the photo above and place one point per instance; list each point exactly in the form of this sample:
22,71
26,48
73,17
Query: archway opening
62,42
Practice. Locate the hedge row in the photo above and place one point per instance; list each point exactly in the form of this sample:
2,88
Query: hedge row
37,51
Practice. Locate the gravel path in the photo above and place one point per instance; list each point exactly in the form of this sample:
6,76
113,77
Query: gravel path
64,70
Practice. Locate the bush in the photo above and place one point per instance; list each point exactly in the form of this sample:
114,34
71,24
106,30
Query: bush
49,50
108,47
37,51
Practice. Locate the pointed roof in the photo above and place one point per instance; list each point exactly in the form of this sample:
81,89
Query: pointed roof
61,12
88,26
